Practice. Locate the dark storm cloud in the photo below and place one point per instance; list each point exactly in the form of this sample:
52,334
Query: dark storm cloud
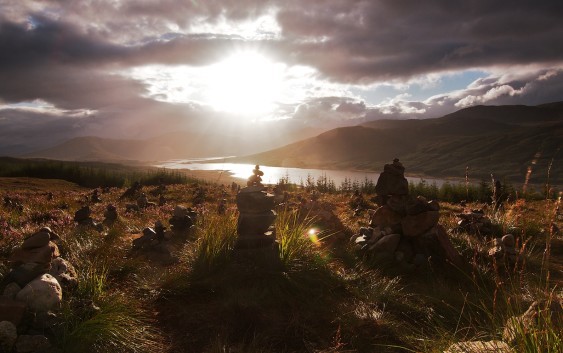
363,41
69,54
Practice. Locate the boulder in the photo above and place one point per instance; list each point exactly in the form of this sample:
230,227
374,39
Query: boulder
11,310
415,225
11,290
37,240
387,244
25,273
255,202
42,294
451,254
41,255
64,272
384,216
32,343
8,336
253,224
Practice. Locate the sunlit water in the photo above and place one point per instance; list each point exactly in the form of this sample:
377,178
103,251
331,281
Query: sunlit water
272,175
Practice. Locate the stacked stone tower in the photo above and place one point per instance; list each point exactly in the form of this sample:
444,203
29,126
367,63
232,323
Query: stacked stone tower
255,224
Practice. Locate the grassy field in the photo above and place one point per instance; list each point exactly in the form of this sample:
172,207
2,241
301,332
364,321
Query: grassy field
324,298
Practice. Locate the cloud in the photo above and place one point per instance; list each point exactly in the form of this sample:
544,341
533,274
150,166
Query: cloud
72,56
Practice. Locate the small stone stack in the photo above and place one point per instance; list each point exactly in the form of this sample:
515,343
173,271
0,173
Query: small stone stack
183,218
110,214
505,249
405,228
33,258
474,222
255,223
33,286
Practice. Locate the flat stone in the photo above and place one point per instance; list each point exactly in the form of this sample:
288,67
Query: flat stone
255,202
25,273
387,244
479,347
384,217
37,240
415,225
255,188
42,255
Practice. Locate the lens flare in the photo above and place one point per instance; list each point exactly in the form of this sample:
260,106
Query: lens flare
313,236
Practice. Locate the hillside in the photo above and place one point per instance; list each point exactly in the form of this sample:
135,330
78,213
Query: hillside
174,145
503,140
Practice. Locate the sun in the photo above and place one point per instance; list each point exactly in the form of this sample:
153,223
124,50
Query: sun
246,83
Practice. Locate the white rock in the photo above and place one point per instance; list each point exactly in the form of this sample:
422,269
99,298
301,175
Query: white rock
42,294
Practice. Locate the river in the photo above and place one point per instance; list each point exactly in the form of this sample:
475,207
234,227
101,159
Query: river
272,175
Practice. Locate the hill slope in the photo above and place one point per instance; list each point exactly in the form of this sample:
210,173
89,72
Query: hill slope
503,140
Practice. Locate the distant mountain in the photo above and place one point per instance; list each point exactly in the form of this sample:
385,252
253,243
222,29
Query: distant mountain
174,145
503,140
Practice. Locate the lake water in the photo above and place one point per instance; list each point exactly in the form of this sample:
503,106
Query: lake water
272,175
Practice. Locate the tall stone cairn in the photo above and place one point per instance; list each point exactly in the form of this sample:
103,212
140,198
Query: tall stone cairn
256,215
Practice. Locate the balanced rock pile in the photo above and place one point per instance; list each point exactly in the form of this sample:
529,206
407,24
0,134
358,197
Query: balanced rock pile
155,244
84,219
505,249
254,227
34,286
183,218
474,222
405,228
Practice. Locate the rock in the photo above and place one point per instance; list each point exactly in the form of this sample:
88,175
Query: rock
110,214
387,244
11,310
392,181
8,336
64,272
451,254
416,205
398,203
25,273
433,205
42,294
11,290
251,223
415,225
32,343
37,240
405,247
42,255
509,241
535,318
384,216
479,347
360,239
82,214
255,202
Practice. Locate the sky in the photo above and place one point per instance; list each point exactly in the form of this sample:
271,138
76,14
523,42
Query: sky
135,69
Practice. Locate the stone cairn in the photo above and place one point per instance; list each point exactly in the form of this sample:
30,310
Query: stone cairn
405,228
110,214
474,222
504,250
256,216
32,290
183,218
84,219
